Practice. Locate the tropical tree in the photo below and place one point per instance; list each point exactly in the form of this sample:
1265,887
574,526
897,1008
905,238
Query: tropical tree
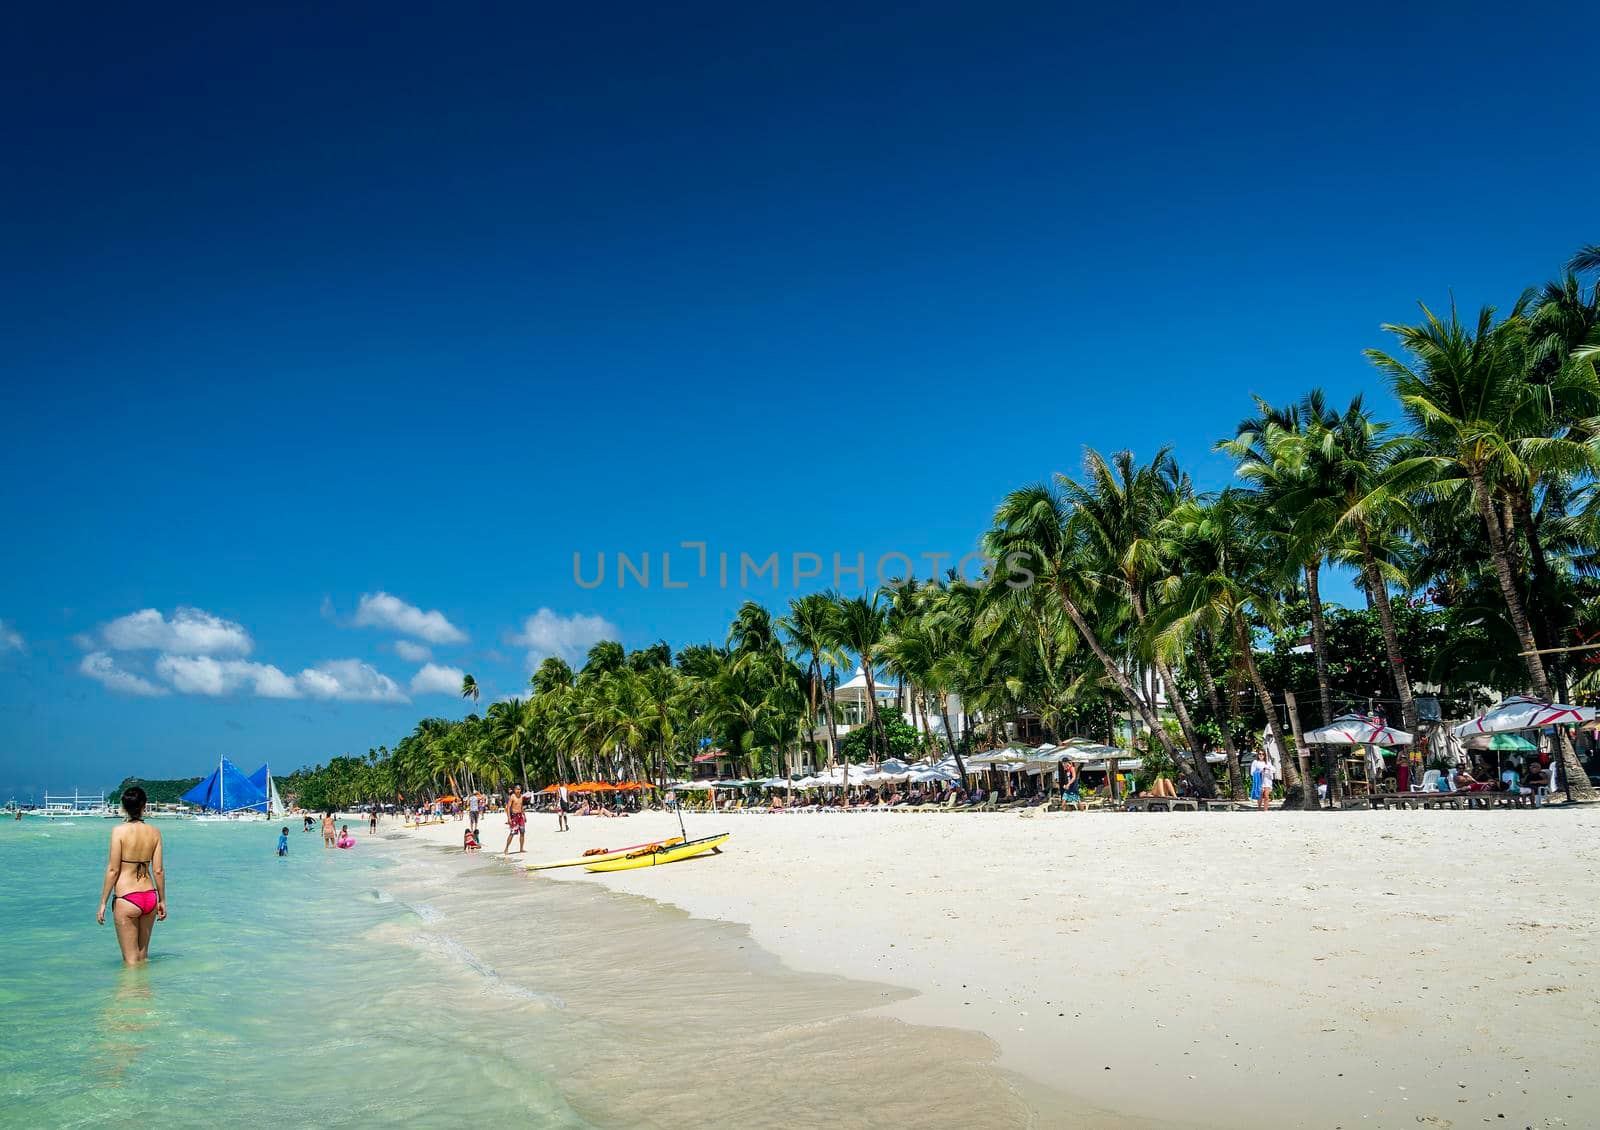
1034,537
1225,589
860,625
812,630
1464,392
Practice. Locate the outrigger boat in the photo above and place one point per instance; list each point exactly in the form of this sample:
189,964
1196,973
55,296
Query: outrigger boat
64,807
602,855
654,856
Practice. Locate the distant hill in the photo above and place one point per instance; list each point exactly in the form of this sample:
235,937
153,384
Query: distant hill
158,792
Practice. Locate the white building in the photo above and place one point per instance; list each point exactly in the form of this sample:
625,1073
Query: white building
849,706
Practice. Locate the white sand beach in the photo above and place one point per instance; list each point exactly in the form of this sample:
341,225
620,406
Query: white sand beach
1289,969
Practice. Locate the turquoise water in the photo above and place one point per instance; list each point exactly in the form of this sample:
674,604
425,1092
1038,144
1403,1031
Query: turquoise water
397,981
264,994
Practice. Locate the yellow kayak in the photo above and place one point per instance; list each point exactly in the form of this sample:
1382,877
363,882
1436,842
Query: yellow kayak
602,856
651,857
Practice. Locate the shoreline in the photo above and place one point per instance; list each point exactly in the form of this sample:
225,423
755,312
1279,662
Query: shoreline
839,1032
1229,969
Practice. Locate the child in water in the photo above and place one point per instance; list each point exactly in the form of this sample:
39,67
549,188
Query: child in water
469,840
283,842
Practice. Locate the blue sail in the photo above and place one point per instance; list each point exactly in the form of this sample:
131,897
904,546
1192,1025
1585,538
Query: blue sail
258,779
226,790
271,803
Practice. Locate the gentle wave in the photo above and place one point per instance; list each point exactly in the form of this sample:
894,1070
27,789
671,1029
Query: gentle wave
448,947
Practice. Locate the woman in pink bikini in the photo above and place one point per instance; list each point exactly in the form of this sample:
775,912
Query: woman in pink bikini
134,872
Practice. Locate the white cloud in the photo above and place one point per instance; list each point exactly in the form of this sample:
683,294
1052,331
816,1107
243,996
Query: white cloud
546,633
349,680
436,679
202,674
380,610
191,631
10,638
103,669
412,652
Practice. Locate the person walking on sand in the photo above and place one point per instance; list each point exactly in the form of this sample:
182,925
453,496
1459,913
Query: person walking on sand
561,808
516,822
135,873
327,830
1071,792
474,808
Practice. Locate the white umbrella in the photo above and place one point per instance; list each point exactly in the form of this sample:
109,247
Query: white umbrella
1082,752
1357,729
1521,713
993,757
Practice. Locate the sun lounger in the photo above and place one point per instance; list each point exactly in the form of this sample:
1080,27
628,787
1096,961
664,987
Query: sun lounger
1164,804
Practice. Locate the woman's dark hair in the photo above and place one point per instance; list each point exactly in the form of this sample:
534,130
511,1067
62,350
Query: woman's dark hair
133,802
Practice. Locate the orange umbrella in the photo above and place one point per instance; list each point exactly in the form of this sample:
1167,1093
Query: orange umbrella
448,799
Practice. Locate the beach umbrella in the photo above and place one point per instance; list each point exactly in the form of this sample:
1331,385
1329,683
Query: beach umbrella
1087,751
1357,729
1004,756
1522,713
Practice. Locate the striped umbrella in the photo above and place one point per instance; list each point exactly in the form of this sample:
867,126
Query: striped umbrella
1357,729
1522,713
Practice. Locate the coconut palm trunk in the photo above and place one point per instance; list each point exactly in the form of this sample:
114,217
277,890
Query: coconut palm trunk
1291,773
1197,770
1572,769
1118,676
1378,594
833,724
1203,668
1319,653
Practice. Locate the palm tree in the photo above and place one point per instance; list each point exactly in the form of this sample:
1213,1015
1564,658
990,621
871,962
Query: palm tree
1585,259
1033,530
1273,453
1226,588
1464,392
469,688
860,624
812,633
1120,507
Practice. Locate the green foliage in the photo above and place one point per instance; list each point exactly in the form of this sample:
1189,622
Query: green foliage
902,741
159,792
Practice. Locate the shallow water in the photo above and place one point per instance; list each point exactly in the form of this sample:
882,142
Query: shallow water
395,980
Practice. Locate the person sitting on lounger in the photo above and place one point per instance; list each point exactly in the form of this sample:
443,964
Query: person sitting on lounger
1160,787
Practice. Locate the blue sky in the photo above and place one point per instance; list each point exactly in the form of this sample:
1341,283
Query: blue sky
302,307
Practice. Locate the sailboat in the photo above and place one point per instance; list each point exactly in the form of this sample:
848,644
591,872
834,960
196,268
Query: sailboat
226,795
272,805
